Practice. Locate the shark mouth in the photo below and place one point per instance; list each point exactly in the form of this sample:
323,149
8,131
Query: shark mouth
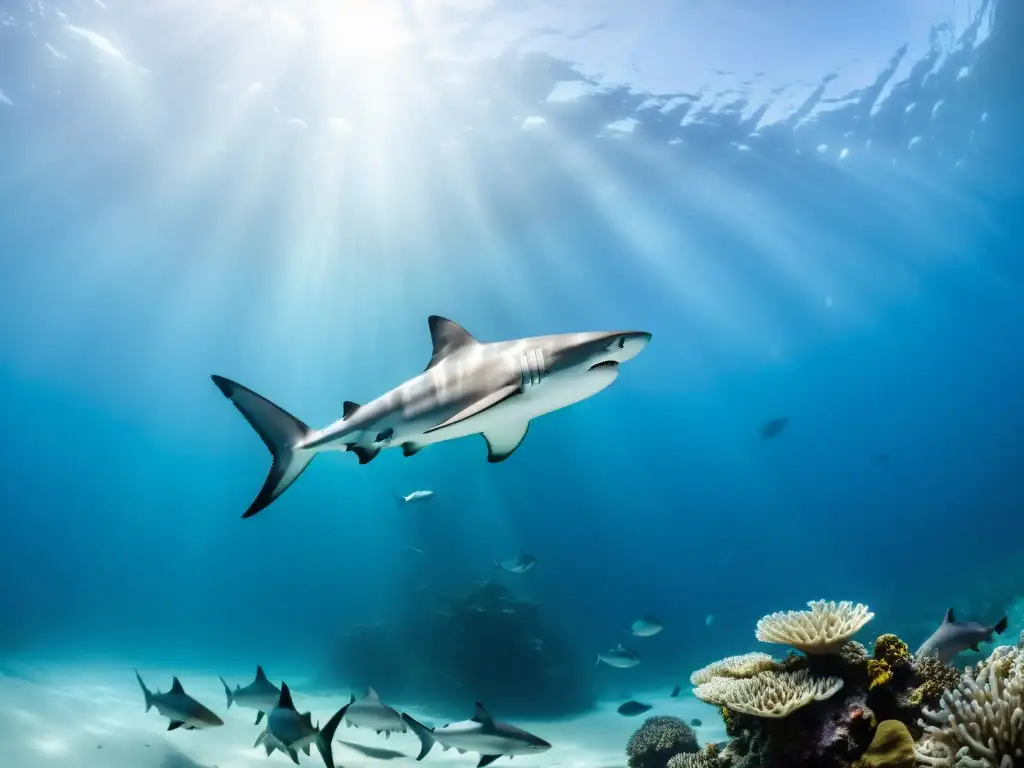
606,364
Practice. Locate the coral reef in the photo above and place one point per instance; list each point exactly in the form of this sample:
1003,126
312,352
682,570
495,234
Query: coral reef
658,740
979,724
734,666
823,629
768,694
891,747
706,758
834,706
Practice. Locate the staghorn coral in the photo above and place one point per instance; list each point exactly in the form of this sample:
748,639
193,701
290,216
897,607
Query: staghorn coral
824,629
935,678
747,665
706,758
659,739
980,723
891,747
768,694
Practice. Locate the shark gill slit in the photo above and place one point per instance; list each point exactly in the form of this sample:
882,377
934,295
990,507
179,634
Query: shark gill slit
533,367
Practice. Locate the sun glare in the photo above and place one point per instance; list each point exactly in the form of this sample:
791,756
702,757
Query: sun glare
351,29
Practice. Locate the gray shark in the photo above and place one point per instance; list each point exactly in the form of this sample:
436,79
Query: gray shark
288,731
619,656
370,712
491,738
177,706
469,387
261,694
518,563
953,637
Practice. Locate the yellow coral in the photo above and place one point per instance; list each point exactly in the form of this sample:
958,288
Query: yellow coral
879,673
937,678
728,719
892,650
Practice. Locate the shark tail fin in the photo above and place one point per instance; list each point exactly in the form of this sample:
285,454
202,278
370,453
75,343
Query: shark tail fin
145,691
227,691
325,736
424,734
1000,627
281,433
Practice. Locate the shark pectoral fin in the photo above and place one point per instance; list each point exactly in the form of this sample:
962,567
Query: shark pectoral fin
174,725
486,760
259,716
306,750
483,404
293,755
260,739
269,747
502,442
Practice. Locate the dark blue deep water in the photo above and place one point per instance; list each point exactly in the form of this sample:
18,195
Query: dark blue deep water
815,208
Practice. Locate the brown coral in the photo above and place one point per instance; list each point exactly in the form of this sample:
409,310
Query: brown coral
891,747
936,678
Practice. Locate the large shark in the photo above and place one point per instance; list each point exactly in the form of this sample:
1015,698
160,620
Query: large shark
468,388
491,738
177,706
261,694
288,731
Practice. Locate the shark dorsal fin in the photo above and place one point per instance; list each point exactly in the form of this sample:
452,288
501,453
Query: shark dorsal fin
285,701
950,618
371,694
482,716
176,686
447,337
260,674
348,408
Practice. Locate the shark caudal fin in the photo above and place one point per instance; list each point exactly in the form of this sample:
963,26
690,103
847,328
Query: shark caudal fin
325,735
280,432
145,691
227,692
424,734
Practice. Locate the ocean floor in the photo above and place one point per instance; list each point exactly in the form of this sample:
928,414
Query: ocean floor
94,717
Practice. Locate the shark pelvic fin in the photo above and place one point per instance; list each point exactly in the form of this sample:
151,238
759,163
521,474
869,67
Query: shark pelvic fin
480,406
349,408
365,455
447,337
411,449
280,432
502,442
486,760
293,755
175,725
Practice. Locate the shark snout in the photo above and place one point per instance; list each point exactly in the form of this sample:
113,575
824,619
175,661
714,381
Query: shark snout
627,345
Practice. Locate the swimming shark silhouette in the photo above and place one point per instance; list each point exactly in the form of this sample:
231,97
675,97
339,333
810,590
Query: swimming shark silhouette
468,388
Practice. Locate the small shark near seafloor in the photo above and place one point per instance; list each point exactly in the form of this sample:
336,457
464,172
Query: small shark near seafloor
953,637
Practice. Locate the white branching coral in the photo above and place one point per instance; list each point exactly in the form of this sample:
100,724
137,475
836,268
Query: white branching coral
747,665
979,724
821,630
768,694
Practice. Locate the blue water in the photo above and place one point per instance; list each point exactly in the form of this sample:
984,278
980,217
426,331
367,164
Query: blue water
815,211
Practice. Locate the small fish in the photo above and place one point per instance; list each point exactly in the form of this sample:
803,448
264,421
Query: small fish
261,694
709,620
696,722
774,427
675,692
413,498
537,644
953,637
417,550
177,706
518,563
619,657
632,708
648,626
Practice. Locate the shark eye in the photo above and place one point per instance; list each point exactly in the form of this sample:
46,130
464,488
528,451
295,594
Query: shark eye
622,342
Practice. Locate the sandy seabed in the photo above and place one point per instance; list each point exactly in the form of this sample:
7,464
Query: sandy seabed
92,717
